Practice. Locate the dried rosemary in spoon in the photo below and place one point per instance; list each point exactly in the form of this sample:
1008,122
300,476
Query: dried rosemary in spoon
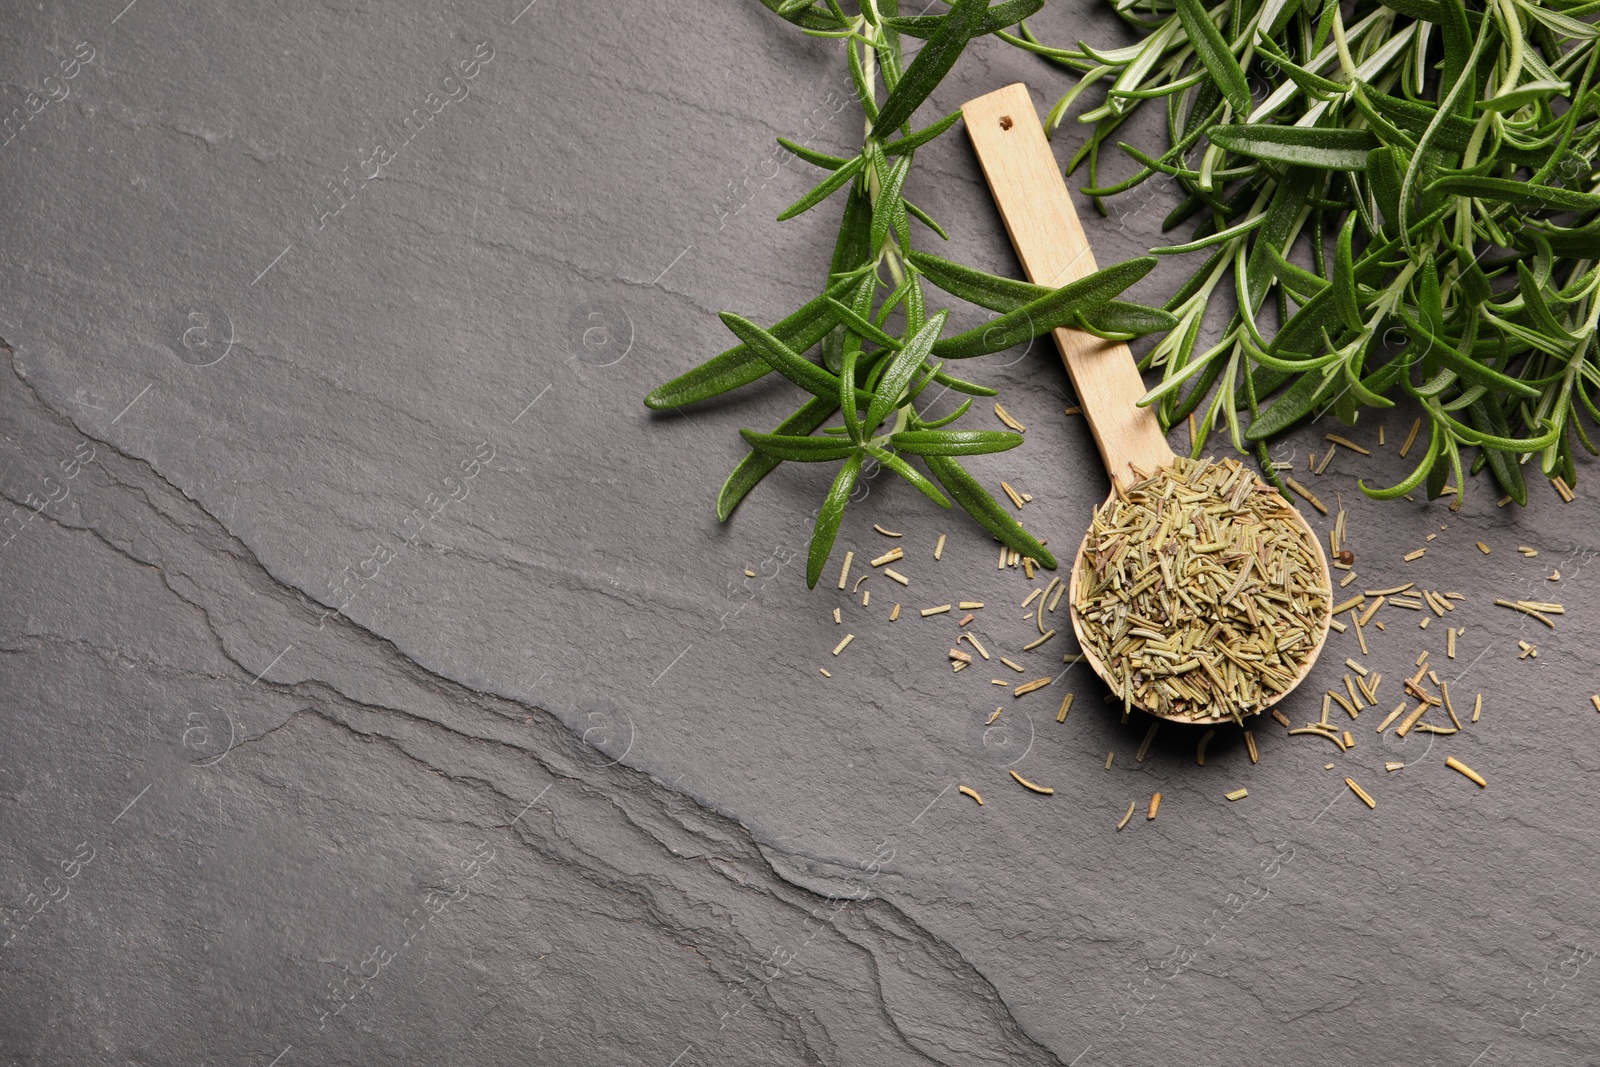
1199,594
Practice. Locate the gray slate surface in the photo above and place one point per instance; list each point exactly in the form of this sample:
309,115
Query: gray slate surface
559,783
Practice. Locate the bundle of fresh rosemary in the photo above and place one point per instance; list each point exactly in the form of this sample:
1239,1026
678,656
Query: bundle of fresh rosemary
1447,153
878,347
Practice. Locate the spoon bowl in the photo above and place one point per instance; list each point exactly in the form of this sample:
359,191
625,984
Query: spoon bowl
1323,622
1032,198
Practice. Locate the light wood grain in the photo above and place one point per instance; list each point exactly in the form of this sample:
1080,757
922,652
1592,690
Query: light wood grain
1032,197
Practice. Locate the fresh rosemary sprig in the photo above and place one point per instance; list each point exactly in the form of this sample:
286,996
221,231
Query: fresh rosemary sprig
878,347
1447,152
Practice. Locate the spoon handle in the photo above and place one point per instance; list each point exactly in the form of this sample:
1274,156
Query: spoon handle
1032,197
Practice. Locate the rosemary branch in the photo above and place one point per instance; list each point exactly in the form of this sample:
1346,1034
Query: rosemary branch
876,346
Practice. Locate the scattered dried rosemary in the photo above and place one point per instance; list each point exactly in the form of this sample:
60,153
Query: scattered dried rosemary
1200,592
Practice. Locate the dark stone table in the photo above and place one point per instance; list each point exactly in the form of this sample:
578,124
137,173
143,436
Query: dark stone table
379,686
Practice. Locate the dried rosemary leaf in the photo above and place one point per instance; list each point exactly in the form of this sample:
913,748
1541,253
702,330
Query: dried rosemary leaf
1461,768
1131,805
1005,416
1032,787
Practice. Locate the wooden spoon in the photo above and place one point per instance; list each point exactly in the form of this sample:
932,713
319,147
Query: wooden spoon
1032,197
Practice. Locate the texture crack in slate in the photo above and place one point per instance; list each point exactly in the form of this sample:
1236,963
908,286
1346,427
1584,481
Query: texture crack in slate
644,849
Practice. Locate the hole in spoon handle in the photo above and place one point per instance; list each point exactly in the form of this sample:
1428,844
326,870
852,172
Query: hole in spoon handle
1027,186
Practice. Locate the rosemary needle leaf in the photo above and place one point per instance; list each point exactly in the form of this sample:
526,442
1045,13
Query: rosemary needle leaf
1345,299
1305,79
920,137
948,419
897,375
961,385
1126,320
1303,145
803,15
998,293
1383,172
1529,93
1425,10
1220,237
996,18
1289,408
944,46
829,517
847,399
854,321
1081,323
890,185
909,473
1463,365
865,93
1040,316
824,189
798,449
812,156
755,466
980,287
1303,284
852,249
1567,26
1534,300
717,375
1415,478
1009,13
916,306
1216,58
1523,194
799,370
977,502
1485,416
740,365
925,218
954,442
